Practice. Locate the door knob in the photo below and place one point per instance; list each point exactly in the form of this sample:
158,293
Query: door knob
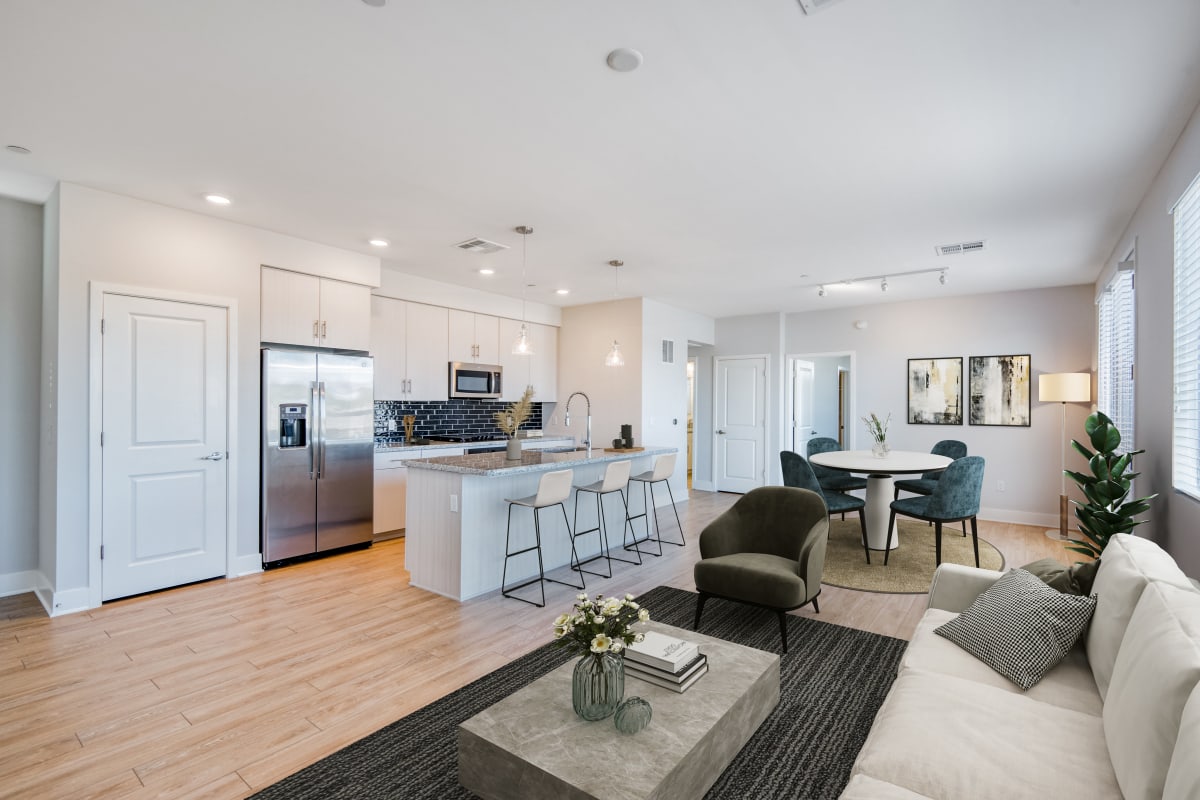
214,456
721,432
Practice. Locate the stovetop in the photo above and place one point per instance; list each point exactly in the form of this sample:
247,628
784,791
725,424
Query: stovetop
462,436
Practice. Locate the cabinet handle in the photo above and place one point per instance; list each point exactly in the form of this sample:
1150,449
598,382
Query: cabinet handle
324,328
316,326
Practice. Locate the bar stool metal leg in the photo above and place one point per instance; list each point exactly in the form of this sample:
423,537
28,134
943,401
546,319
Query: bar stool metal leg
627,534
647,505
509,553
600,528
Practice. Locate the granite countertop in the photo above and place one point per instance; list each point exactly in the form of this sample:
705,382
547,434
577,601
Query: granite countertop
497,464
383,445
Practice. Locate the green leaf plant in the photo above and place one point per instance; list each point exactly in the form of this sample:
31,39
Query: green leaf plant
1106,511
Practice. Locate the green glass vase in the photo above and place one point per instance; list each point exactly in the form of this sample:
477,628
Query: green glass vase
598,685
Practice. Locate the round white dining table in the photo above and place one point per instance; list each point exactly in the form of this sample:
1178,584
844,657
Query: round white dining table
881,484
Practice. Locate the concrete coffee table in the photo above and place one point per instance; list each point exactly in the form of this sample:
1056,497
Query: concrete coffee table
532,745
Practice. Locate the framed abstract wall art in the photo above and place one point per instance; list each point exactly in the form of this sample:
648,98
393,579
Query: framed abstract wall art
999,390
935,391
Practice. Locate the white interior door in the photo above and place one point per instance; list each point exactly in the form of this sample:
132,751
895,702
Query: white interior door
802,405
741,423
165,418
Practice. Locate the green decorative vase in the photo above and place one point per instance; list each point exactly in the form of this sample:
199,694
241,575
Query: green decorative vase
598,685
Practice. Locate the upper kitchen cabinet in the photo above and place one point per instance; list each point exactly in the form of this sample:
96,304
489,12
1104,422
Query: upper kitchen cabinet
408,341
474,338
540,369
307,310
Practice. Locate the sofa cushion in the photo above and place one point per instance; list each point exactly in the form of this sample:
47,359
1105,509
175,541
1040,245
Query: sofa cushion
1157,669
1075,579
1020,627
946,737
1068,685
1127,564
864,787
1183,776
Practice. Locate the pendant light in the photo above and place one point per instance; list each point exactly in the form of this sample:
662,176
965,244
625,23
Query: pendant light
614,357
521,345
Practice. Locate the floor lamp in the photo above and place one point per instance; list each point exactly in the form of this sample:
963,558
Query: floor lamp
1064,387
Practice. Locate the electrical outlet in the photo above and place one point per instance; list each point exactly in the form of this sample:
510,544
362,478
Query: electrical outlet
391,426
454,503
1000,487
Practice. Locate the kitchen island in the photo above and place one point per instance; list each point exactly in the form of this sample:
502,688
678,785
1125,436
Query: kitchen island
457,516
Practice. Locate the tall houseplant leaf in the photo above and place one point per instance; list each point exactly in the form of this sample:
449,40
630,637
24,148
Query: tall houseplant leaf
1106,511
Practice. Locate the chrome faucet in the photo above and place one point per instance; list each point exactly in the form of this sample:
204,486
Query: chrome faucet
587,439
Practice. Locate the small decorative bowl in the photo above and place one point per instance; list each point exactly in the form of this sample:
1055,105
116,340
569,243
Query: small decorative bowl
633,714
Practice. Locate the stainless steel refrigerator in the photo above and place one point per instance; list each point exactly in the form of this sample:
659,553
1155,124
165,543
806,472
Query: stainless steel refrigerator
318,443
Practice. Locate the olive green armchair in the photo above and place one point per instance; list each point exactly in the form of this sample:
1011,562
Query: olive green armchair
767,550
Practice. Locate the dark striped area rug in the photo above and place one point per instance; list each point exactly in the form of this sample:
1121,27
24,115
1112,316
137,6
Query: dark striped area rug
832,682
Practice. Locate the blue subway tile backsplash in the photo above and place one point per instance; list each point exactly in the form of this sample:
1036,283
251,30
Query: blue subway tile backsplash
435,417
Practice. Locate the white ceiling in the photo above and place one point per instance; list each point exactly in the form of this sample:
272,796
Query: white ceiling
756,145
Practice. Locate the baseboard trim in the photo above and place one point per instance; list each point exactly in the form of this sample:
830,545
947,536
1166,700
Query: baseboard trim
245,565
703,486
1016,517
71,601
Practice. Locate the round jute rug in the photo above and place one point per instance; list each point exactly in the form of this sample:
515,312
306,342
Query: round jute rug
910,567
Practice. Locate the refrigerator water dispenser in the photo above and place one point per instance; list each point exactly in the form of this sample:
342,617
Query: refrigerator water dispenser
292,427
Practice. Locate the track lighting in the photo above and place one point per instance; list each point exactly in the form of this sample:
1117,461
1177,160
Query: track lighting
820,291
942,278
883,285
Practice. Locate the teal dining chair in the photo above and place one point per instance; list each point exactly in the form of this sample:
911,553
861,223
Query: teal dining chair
799,473
955,498
951,449
832,479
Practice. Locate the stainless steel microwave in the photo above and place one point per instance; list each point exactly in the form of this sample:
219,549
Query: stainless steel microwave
475,380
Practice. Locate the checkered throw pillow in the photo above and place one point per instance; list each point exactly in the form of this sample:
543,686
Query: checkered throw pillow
1020,627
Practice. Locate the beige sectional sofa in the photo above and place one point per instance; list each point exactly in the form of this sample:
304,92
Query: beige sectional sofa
1119,717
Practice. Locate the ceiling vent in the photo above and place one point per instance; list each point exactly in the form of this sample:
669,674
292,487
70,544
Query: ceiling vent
478,245
813,6
961,247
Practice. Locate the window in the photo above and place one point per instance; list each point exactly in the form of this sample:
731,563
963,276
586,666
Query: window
1186,445
1117,336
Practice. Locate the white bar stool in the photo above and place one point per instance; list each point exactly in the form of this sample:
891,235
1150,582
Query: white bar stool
664,467
616,478
553,490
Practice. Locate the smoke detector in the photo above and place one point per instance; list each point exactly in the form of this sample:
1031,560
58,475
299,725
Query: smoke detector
959,247
813,6
478,245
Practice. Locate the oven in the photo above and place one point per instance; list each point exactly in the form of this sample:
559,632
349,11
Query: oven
475,380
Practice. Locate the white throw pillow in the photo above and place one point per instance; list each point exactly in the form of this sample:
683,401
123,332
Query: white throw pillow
1020,627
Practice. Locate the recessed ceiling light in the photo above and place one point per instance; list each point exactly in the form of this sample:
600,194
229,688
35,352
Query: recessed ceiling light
16,148
624,59
487,271
376,3
217,199
378,242
563,291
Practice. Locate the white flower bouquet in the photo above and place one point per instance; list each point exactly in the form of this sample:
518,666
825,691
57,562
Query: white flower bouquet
602,625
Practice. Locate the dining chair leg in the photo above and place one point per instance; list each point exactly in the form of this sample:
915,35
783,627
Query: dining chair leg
964,526
937,533
887,547
862,523
975,540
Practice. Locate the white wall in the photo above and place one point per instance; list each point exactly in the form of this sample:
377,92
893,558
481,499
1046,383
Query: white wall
114,239
20,377
1174,519
48,398
1055,326
414,288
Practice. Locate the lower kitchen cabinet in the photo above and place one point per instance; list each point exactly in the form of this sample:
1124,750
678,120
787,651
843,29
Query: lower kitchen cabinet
391,486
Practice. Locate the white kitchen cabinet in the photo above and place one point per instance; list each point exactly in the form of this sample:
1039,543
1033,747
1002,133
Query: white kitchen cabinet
428,362
473,338
388,345
303,309
391,484
539,369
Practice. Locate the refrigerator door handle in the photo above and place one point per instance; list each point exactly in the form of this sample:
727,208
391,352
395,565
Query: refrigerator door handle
321,469
314,436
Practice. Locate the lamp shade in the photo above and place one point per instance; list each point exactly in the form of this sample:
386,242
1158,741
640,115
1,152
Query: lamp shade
1065,387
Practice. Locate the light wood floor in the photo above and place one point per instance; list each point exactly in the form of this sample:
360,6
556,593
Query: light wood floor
219,689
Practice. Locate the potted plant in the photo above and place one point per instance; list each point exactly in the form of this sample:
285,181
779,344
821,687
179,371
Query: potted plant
510,420
878,431
1106,511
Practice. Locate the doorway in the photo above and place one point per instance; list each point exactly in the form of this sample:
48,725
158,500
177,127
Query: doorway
691,419
821,398
161,486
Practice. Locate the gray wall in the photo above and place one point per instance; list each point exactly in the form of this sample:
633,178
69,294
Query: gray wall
21,331
1174,519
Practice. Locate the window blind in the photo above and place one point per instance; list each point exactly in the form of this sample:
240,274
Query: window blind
1116,349
1186,436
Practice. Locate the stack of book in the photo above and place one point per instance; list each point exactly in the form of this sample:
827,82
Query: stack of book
665,661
